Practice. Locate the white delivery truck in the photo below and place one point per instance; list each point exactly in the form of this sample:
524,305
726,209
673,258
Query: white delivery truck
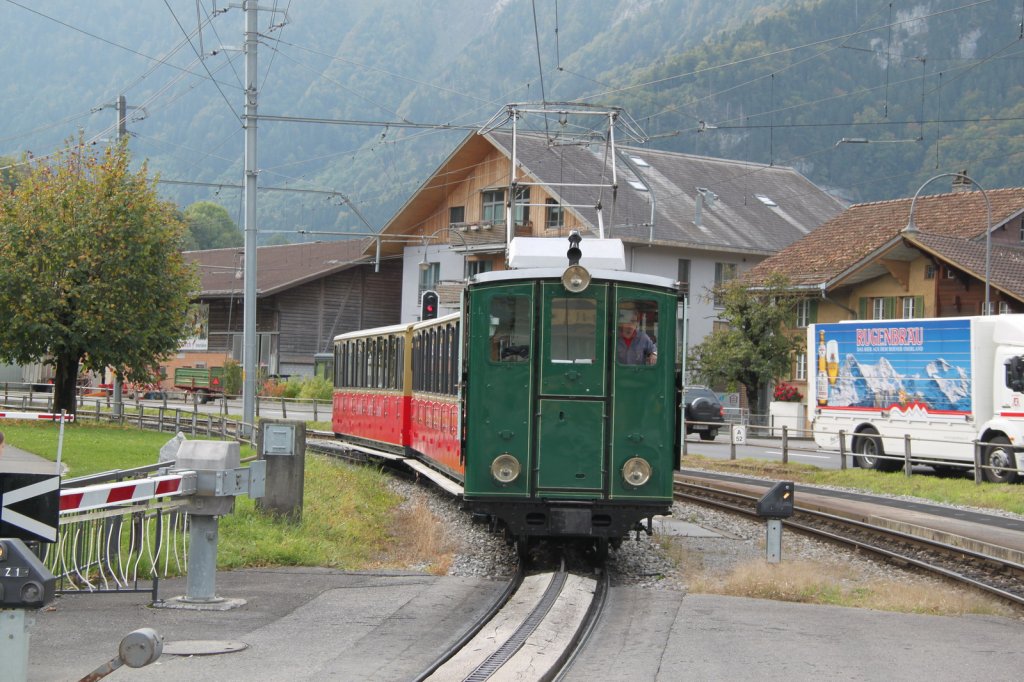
947,382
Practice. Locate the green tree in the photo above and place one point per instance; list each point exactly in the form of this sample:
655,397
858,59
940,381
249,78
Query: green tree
91,270
210,227
10,173
755,349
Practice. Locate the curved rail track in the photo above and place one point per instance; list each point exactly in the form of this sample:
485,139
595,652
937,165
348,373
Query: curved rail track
992,574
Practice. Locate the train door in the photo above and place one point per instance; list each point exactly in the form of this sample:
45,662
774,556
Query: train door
572,393
499,396
644,399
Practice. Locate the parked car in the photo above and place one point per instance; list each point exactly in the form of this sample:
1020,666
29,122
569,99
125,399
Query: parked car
702,406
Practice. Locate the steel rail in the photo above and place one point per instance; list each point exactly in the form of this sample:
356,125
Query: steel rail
478,625
590,622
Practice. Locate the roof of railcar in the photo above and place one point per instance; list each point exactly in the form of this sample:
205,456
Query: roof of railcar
376,331
556,273
444,319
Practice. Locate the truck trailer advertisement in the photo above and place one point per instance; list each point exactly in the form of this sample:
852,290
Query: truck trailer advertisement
922,364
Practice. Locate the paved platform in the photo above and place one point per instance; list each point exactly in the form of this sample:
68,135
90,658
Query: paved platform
314,624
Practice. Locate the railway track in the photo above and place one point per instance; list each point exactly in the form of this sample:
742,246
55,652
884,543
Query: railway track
981,570
532,631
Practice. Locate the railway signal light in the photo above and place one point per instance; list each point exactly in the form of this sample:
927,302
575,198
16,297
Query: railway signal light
428,305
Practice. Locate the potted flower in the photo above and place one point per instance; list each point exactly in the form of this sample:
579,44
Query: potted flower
787,409
787,393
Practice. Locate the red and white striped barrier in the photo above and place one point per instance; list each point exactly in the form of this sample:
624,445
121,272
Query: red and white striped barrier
109,494
37,415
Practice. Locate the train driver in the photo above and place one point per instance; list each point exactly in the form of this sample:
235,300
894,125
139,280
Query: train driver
634,347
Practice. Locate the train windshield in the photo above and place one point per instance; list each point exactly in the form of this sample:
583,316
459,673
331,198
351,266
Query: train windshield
573,330
636,340
510,329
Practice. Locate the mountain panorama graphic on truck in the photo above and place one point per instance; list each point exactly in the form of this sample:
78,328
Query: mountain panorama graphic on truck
913,365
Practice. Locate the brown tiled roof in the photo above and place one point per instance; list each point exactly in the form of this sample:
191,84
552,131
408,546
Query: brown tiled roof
853,236
277,267
1007,264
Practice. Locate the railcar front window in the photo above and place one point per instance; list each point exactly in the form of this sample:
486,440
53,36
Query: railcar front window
636,338
573,330
510,329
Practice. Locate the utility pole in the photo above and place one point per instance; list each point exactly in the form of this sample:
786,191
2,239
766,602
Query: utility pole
122,131
249,296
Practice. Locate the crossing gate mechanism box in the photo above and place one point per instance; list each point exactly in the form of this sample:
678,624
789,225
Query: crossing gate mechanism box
219,476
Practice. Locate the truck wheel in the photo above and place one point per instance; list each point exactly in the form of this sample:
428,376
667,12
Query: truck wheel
1003,458
868,447
202,397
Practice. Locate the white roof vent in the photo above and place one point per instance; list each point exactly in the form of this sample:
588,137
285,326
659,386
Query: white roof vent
640,162
638,186
766,200
549,252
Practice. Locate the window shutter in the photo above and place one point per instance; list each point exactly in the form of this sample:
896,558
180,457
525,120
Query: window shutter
812,311
889,307
919,306
863,308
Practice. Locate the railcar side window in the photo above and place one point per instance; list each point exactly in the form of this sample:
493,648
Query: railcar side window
510,329
636,337
573,330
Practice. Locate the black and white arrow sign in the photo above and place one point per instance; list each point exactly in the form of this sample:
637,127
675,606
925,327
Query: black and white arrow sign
37,498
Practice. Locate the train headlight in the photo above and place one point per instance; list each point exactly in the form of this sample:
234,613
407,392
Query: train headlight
575,279
505,468
636,471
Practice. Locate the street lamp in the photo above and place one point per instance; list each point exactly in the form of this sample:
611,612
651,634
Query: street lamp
425,264
911,227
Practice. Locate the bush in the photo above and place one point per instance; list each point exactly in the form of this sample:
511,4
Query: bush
308,388
316,388
232,378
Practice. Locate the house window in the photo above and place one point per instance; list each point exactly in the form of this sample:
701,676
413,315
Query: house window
719,326
724,273
457,214
800,369
475,267
950,273
1002,307
493,206
1021,233
521,213
909,307
878,309
684,275
803,313
554,218
929,271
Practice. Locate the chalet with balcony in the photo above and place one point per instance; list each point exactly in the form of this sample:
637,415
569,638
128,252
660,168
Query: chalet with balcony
694,219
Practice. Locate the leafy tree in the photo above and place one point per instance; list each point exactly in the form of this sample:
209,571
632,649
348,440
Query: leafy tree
755,348
210,227
10,173
91,271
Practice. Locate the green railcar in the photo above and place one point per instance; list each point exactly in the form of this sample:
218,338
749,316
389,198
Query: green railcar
569,432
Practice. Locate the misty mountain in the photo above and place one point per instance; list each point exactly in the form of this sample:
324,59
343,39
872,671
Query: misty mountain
926,87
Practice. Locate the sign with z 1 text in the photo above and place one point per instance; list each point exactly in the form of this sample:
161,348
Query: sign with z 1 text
29,506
